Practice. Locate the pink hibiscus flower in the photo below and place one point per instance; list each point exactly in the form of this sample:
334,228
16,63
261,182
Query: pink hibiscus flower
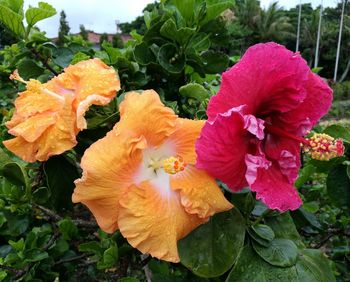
266,104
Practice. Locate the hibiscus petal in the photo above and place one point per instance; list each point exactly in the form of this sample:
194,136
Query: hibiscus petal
199,192
222,147
286,152
84,105
22,148
87,78
270,185
144,114
315,105
108,166
32,128
269,78
153,223
186,133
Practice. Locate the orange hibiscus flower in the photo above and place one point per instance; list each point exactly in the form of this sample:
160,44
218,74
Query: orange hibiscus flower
49,116
141,179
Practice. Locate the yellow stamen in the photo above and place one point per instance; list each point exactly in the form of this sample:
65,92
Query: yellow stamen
323,147
174,165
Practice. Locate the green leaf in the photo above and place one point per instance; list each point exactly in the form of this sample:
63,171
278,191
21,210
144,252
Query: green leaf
4,158
182,36
215,62
113,53
195,91
170,58
264,232
67,228
28,68
200,42
62,56
34,15
211,249
338,186
313,266
284,227
304,175
109,258
281,252
34,255
215,8
60,176
15,173
252,268
91,247
338,131
185,8
244,201
41,195
78,57
11,19
143,55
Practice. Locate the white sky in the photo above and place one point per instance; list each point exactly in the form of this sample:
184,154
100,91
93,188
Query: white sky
100,15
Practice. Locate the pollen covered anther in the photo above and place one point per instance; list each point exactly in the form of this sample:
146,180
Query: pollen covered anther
323,147
174,165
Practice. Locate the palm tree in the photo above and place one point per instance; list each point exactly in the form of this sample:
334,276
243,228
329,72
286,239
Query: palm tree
273,25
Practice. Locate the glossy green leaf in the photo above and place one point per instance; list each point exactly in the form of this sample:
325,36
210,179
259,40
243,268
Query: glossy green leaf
338,131
215,62
195,91
36,14
28,68
60,176
200,42
11,19
170,58
109,258
311,266
113,53
284,228
67,228
15,173
211,249
281,252
304,175
185,8
338,185
41,195
244,201
143,55
78,57
215,8
182,35
263,232
14,5
91,247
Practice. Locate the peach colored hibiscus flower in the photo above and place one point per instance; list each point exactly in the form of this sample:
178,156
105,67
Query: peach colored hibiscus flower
141,178
49,116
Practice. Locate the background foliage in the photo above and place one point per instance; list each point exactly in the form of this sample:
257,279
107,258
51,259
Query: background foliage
179,48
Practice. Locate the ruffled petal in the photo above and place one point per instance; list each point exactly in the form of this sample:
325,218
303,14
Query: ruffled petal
315,105
286,153
45,135
84,105
153,223
108,168
186,133
269,78
271,186
32,128
144,114
22,148
222,147
199,192
87,78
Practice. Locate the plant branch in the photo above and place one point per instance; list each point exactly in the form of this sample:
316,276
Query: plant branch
56,217
43,61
